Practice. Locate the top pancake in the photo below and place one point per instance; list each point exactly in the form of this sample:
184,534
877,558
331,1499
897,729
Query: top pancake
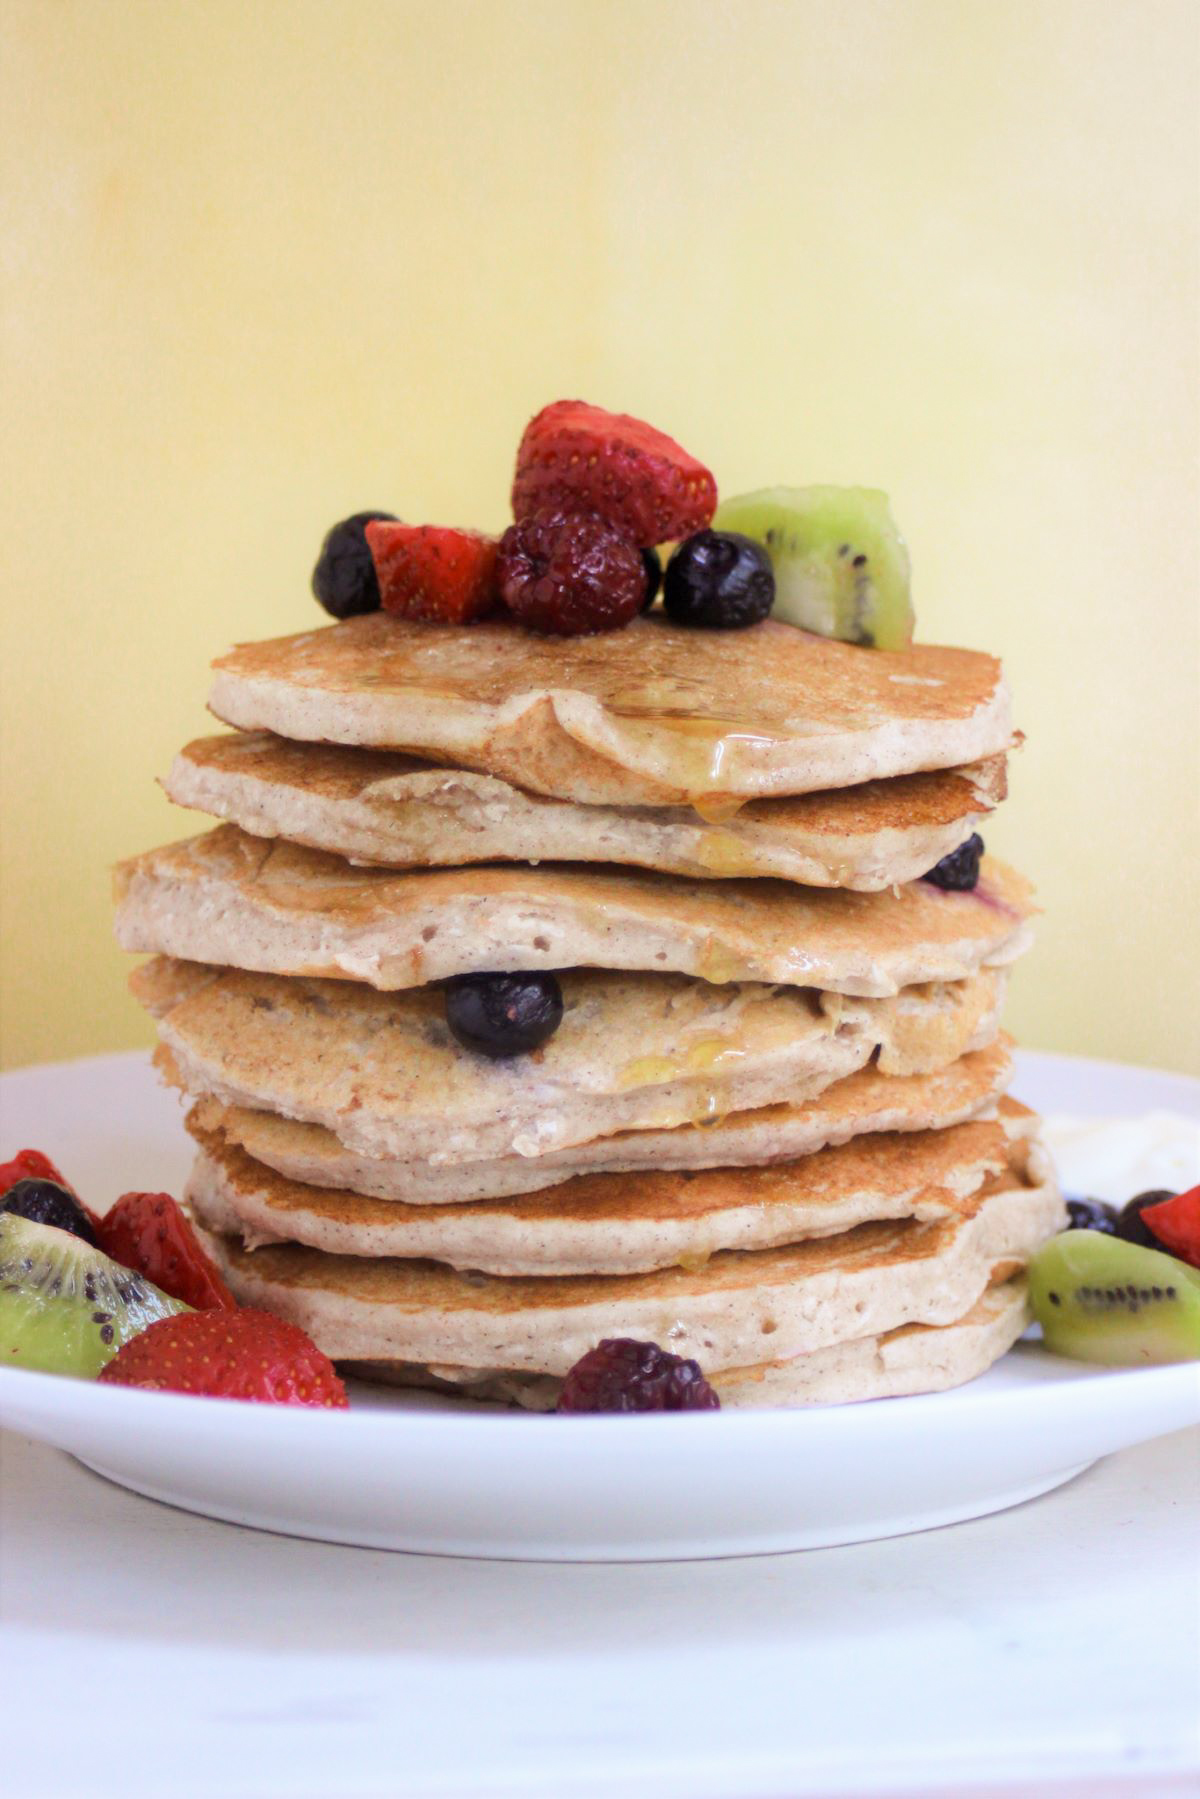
655,714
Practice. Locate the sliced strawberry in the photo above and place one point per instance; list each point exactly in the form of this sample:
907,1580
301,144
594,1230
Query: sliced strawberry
1176,1224
434,572
32,1165
150,1234
581,458
228,1355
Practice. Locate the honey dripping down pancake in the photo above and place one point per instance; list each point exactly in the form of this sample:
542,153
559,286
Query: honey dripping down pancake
863,1102
654,714
633,1051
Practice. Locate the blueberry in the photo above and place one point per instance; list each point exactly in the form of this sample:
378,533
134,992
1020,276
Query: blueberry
1091,1215
45,1202
719,579
959,871
503,1014
1130,1224
652,563
344,579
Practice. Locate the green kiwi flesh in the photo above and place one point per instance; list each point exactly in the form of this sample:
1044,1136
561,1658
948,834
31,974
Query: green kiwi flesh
841,567
1101,1299
65,1307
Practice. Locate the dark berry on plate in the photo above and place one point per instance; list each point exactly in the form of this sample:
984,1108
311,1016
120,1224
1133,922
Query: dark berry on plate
1091,1215
501,1015
45,1202
344,579
579,458
719,579
570,573
959,871
1132,1226
621,1375
652,563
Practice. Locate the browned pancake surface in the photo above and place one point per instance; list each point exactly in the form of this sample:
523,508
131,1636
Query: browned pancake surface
864,1102
335,772
231,898
426,1285
655,713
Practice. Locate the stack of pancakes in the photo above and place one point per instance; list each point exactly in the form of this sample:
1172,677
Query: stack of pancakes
770,1131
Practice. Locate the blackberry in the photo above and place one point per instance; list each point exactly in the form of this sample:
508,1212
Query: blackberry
622,1375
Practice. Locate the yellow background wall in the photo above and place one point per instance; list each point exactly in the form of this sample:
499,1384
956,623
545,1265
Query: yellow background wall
269,263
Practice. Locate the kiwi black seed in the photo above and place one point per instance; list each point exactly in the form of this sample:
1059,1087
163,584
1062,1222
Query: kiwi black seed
1099,1298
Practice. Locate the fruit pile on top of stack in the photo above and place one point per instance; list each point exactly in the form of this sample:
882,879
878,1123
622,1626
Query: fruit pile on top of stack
595,496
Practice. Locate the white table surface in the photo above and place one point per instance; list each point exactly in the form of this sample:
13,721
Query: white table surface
166,1653
1052,1649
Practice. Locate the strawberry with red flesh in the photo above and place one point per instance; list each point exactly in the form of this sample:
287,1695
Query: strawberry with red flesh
149,1233
247,1354
433,572
579,458
1176,1224
30,1165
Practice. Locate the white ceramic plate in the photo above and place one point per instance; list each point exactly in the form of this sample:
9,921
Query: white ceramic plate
418,1473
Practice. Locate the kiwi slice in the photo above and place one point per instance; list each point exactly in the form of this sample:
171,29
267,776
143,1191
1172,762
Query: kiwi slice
66,1307
841,566
1100,1299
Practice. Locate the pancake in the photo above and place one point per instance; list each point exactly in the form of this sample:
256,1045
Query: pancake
615,1223
280,908
789,1301
655,714
916,1358
393,810
633,1051
864,1102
